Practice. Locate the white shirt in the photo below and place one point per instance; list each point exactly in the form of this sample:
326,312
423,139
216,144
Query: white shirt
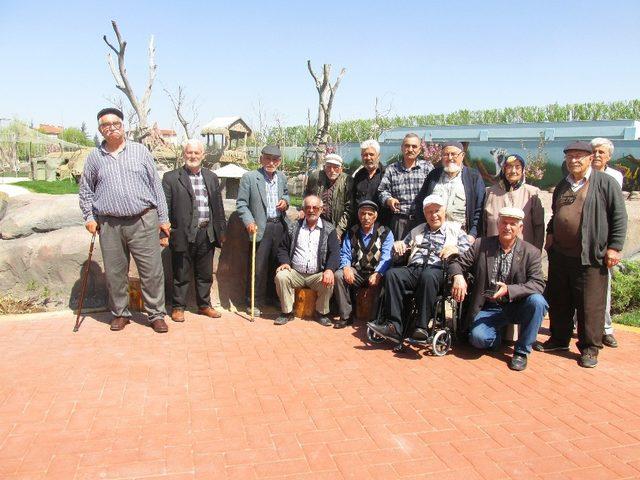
305,255
616,174
575,186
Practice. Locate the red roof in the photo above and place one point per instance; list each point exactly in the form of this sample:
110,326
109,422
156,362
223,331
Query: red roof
50,129
167,133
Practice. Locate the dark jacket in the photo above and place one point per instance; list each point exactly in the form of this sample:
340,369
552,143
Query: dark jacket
182,212
524,279
367,189
328,246
604,217
474,191
341,205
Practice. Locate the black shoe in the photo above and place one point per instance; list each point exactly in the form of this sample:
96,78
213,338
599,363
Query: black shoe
323,320
343,323
518,362
283,319
609,340
388,331
550,346
588,360
420,334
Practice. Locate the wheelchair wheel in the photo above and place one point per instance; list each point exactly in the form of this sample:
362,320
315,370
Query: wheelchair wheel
373,337
441,343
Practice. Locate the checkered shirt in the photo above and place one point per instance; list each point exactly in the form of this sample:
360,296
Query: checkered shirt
403,184
432,244
201,199
271,186
501,267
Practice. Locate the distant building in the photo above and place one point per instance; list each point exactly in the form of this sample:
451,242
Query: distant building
50,130
169,136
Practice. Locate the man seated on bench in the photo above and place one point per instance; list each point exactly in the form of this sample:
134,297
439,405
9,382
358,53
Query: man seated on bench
429,243
309,253
507,287
365,256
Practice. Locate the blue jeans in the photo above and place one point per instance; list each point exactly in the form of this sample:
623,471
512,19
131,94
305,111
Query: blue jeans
528,313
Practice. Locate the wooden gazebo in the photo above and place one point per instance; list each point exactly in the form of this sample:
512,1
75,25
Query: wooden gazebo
227,137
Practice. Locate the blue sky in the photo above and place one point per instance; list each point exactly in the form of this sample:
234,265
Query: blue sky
417,57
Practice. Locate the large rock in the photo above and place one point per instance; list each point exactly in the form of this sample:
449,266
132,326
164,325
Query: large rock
38,213
4,202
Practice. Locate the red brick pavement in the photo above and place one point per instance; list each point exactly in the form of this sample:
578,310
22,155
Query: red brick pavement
230,399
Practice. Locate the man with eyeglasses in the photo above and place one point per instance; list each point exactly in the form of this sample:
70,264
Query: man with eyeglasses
262,203
309,254
401,183
121,197
585,236
334,188
461,187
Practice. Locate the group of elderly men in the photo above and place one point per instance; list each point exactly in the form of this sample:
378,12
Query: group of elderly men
350,227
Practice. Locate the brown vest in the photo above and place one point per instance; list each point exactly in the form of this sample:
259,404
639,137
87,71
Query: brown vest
567,221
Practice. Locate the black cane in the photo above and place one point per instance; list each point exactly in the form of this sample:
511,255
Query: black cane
84,283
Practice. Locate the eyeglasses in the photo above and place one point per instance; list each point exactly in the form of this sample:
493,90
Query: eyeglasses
576,155
112,125
451,154
312,207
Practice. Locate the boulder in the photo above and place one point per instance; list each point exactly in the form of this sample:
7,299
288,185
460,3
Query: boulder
37,213
4,201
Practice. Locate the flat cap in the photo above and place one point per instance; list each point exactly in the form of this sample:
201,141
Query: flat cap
368,204
110,111
511,212
579,145
334,159
272,150
458,145
433,198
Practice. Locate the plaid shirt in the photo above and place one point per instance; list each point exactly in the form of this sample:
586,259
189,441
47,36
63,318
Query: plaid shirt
432,244
201,199
271,186
403,184
501,267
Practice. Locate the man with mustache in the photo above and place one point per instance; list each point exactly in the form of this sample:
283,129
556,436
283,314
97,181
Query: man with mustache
367,178
461,187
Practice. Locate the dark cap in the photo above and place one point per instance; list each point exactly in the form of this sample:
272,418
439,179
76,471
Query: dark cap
579,145
110,111
272,150
369,204
458,145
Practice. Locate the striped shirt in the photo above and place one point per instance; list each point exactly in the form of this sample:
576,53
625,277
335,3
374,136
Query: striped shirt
433,243
201,199
403,184
271,186
122,184
305,254
501,267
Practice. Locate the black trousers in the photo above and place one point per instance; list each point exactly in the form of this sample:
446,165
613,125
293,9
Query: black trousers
583,289
425,284
197,259
399,225
266,263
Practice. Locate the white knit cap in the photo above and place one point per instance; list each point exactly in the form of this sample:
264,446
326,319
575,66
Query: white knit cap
433,198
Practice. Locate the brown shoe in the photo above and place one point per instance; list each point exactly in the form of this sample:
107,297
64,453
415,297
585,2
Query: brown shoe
209,312
118,323
177,315
159,325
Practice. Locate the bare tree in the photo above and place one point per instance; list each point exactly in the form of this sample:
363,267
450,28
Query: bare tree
186,111
326,94
141,107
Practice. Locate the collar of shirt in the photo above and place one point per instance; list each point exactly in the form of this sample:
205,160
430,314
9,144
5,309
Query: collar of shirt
428,231
196,174
318,225
419,164
103,148
364,235
579,183
445,178
266,175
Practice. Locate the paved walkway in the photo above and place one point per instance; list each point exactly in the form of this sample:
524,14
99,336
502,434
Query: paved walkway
230,399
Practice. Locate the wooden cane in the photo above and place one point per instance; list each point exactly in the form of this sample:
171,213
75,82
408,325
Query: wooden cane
84,283
253,274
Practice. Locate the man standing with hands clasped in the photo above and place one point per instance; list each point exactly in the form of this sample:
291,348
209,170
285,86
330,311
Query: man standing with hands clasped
121,196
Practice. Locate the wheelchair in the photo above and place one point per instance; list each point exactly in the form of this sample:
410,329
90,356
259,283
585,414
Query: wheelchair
442,329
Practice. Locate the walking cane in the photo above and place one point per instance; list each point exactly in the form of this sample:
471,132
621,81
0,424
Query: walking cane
84,283
253,274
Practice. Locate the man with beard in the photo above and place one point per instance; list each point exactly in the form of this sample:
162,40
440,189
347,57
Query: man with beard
121,197
508,286
461,187
366,180
262,203
401,183
198,225
334,188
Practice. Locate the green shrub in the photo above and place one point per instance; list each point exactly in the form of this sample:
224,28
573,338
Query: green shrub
625,288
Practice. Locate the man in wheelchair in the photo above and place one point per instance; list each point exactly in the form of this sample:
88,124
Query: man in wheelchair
428,245
507,288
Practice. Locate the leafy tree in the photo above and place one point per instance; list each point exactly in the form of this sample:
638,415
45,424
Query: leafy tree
75,135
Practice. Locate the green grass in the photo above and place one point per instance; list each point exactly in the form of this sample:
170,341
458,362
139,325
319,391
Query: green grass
295,201
54,188
631,318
